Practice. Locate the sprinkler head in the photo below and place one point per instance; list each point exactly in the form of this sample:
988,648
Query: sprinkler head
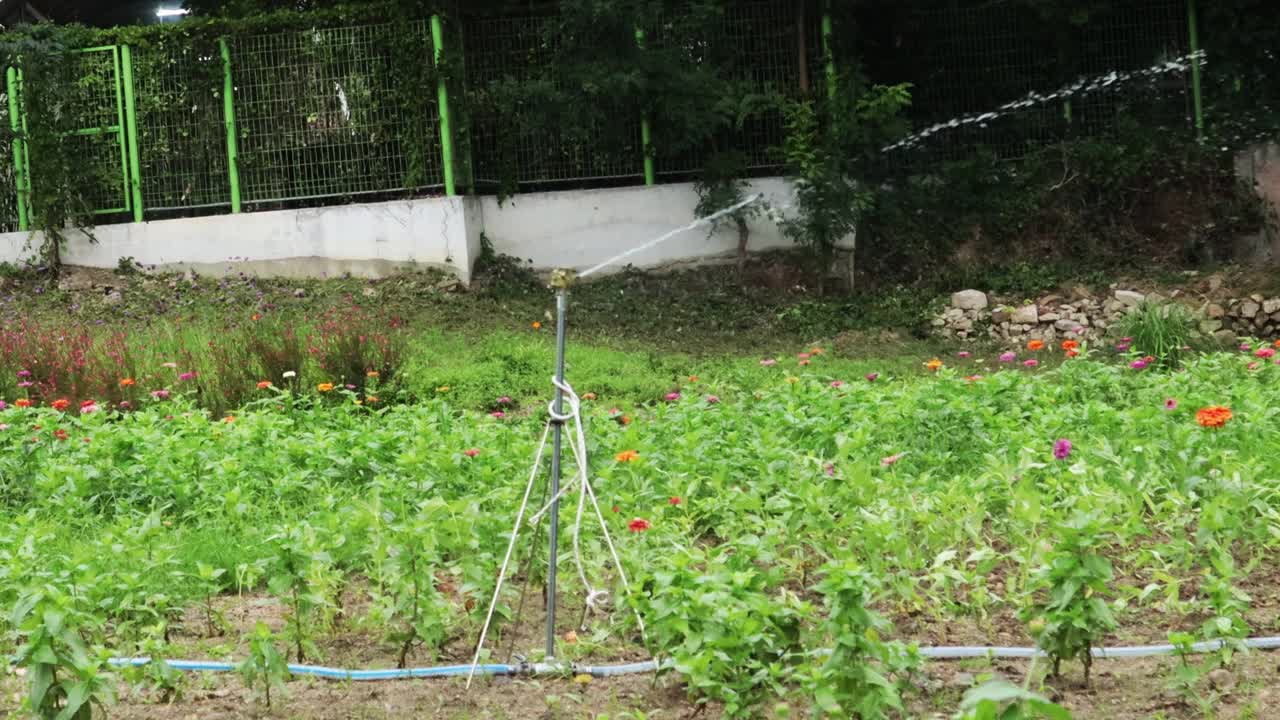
562,278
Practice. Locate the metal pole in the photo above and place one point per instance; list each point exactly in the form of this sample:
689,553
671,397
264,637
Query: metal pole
442,94
229,119
131,129
1193,33
562,302
646,135
19,149
827,53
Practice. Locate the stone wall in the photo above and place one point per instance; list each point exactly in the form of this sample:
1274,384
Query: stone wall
973,315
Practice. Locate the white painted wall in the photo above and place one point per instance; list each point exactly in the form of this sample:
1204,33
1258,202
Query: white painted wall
580,228
367,240
574,229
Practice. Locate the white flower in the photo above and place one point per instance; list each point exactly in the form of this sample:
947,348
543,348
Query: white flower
290,374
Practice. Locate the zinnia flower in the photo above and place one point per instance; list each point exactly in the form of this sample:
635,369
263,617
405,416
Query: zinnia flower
802,356
1253,365
124,405
1035,345
589,396
1073,353
471,452
626,456
638,525
497,414
22,403
836,383
60,404
871,377
1171,404
1265,353
1062,449
504,400
829,469
288,374
229,419
170,365
973,378
372,399
768,362
535,325
963,354
325,387
675,500
1070,345
1138,364
934,365
1030,362
1008,357
693,378
713,400
187,376
1123,347
887,461
3,405
264,384
671,396
60,434
160,394
89,408
1245,347
26,384
1214,416
127,382
803,363
24,373
371,374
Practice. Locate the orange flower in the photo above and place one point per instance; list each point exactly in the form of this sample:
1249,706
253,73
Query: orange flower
372,399
815,351
325,387
264,384
625,419
693,378
536,325
934,365
1035,345
1072,353
589,396
626,456
1070,345
229,419
22,402
60,404
371,374
127,382
255,317
1214,416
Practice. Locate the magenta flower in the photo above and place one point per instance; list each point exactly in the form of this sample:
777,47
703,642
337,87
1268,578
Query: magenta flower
1008,357
1062,449
1171,404
962,354
497,414
88,409
504,400
1123,347
837,383
712,400
1245,347
671,396
26,384
871,377
1126,340
24,373
1265,353
124,405
1030,362
160,394
829,469
886,462
3,405
187,376
768,362
1138,364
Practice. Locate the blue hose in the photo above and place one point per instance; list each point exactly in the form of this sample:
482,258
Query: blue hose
648,666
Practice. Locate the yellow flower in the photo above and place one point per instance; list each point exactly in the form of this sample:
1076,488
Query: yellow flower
325,387
934,365
793,379
442,389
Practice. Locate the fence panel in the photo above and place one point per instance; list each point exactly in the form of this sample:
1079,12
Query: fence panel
181,136
325,112
97,108
8,180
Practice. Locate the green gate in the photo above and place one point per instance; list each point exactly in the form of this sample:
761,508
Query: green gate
106,133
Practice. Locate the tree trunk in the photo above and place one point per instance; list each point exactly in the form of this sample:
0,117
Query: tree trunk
743,238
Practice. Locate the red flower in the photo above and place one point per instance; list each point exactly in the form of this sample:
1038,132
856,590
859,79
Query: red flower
471,452
60,434
675,500
60,404
638,525
264,384
617,509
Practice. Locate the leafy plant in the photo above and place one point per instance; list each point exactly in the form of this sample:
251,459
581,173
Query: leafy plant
721,185
296,563
66,678
1075,578
1002,700
264,667
1161,330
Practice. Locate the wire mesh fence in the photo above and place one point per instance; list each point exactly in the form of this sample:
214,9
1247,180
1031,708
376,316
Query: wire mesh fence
97,106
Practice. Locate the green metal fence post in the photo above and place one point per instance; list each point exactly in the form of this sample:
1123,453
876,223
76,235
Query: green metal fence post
1193,33
19,149
646,132
828,55
131,132
229,119
442,90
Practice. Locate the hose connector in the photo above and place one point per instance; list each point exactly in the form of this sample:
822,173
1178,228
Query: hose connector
563,278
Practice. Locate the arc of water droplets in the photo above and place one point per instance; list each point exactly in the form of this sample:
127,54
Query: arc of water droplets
1083,86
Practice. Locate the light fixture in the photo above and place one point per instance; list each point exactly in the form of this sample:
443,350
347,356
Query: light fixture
165,12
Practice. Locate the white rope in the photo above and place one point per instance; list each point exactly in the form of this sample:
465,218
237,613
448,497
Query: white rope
663,238
511,544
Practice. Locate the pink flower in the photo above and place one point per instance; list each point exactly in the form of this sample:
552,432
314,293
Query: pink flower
1171,404
1030,362
803,362
160,394
836,383
1123,347
24,373
1008,357
504,400
471,452
671,396
4,426
1265,353
187,376
712,400
829,469
497,414
1138,364
802,356
3,405
124,405
1126,340
1062,449
962,354
768,362
886,462
1253,365
88,409
26,384
871,377
1245,347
